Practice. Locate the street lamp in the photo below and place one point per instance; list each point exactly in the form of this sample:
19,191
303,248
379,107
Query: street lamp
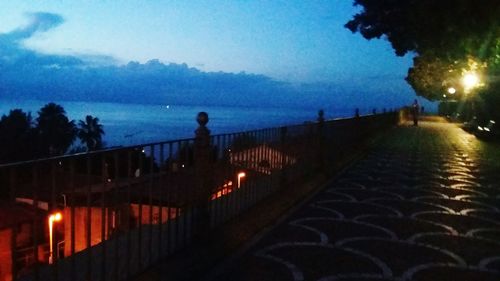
451,90
470,80
240,176
56,217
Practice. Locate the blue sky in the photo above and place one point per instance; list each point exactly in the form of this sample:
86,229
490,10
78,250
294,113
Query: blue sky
297,41
45,44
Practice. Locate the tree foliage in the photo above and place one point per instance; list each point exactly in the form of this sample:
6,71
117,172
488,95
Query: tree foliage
453,28
90,133
52,134
56,132
447,37
16,136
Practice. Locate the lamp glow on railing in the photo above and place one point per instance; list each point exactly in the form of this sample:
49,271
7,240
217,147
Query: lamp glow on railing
56,217
240,176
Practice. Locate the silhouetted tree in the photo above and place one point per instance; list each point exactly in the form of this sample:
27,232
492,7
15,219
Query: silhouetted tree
447,37
16,137
90,133
55,131
445,28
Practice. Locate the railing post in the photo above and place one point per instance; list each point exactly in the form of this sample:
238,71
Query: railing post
320,135
283,133
202,175
356,113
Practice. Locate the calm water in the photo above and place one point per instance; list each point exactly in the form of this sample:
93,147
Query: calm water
127,124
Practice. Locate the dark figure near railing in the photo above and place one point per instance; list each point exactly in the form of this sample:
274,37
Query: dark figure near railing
414,112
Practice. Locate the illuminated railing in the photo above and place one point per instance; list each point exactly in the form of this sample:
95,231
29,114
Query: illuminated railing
108,215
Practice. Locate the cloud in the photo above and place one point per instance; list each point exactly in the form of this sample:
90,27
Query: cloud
39,22
28,74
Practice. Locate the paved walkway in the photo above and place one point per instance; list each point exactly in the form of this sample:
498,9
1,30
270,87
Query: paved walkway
423,205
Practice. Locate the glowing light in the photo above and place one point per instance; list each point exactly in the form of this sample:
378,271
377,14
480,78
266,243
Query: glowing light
451,90
240,176
57,217
444,96
470,80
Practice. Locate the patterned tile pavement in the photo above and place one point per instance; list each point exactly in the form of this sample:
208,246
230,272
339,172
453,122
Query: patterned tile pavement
423,205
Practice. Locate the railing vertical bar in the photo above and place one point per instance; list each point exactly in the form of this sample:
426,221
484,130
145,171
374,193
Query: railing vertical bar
237,192
258,184
243,192
225,202
178,197
104,217
72,214
251,164
129,211
13,249
186,192
282,156
160,201
117,215
139,193
151,178
234,198
251,156
190,220
266,187
272,162
89,218
12,191
36,221
269,181
217,214
255,166
169,196
51,209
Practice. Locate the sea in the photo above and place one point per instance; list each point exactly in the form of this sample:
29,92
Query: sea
131,124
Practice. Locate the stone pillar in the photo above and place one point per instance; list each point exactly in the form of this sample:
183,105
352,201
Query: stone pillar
203,174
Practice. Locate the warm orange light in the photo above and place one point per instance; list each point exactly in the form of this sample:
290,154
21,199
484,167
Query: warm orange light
56,217
240,176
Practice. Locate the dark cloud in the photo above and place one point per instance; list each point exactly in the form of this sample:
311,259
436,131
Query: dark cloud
39,22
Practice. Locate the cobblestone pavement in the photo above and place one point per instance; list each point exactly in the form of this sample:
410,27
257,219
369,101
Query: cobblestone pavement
423,205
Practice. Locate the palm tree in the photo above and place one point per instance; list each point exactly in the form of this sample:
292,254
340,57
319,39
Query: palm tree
16,137
90,132
55,130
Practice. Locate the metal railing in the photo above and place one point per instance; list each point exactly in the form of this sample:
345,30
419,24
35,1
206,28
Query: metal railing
122,210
